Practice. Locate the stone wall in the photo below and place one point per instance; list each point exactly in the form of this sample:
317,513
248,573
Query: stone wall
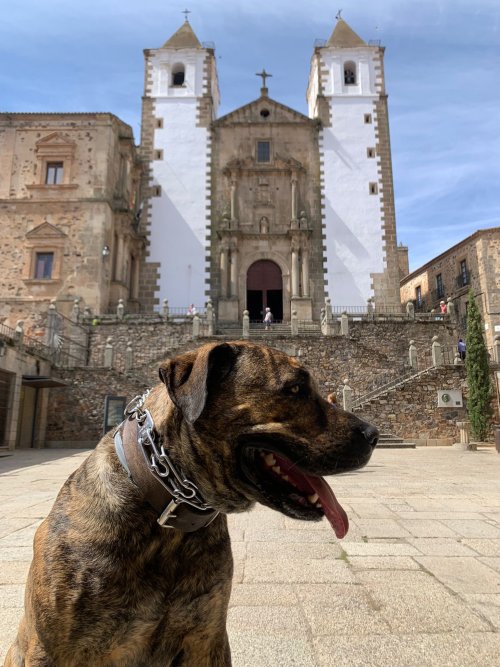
76,412
372,350
411,410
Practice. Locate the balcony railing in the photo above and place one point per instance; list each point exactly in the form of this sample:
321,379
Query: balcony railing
438,294
463,279
420,306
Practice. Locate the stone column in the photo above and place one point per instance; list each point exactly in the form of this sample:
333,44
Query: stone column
347,396
210,318
295,272
165,308
129,356
108,353
119,261
437,352
75,313
196,326
223,271
463,428
305,272
344,324
294,196
52,324
370,309
246,324
410,310
234,272
120,309
496,349
233,198
413,355
19,333
294,324
450,309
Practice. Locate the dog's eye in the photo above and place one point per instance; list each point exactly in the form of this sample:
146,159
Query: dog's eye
294,390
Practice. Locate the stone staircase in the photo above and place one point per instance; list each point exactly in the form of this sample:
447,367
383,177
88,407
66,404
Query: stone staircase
258,331
388,441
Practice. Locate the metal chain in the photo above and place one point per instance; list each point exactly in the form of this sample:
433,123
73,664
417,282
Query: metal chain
181,488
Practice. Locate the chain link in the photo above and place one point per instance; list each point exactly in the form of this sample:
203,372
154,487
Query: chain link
181,488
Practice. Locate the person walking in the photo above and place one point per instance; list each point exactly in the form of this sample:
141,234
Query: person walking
268,319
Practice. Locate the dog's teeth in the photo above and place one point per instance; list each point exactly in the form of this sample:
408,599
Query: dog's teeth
285,477
269,459
313,499
319,506
276,469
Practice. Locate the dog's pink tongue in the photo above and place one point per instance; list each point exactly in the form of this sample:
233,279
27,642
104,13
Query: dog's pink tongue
333,510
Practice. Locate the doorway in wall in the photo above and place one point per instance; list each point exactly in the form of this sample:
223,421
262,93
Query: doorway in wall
264,290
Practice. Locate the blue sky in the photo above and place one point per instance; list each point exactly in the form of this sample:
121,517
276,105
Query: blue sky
442,75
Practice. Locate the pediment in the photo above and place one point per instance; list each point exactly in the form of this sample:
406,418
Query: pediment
45,230
253,113
55,139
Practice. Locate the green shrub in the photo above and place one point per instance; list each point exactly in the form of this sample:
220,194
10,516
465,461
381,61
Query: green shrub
478,375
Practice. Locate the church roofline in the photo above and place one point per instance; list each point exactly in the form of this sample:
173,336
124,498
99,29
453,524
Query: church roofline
183,38
475,235
267,100
344,37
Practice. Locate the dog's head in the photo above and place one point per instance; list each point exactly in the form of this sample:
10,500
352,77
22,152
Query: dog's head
251,426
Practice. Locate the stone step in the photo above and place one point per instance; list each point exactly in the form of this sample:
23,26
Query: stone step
396,445
389,441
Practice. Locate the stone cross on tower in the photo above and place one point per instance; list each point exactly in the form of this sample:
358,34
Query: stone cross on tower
264,75
186,13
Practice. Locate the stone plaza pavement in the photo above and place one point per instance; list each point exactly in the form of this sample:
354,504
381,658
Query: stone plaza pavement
416,582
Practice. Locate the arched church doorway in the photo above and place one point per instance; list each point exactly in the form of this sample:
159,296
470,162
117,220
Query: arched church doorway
264,289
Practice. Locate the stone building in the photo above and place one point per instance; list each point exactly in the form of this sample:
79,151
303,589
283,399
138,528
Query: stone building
68,214
472,263
254,208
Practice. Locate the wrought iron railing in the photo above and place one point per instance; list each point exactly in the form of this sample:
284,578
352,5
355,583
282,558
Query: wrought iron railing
463,279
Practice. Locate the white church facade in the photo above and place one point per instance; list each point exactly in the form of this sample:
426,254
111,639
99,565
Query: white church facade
266,206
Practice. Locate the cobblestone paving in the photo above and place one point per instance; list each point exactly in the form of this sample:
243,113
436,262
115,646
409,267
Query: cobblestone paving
416,581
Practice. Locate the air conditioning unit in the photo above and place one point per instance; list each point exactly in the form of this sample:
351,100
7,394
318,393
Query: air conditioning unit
449,398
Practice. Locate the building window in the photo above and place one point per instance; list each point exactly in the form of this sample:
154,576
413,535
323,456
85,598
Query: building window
464,275
439,286
263,151
373,188
370,152
418,295
44,262
178,75
368,118
159,155
159,123
349,73
54,173
157,191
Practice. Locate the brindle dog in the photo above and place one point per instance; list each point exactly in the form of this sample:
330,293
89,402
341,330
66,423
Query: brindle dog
109,587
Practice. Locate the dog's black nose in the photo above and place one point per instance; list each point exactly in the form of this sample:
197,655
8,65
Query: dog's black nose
370,434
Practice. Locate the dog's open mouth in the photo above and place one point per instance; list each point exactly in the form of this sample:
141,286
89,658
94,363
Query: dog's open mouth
290,490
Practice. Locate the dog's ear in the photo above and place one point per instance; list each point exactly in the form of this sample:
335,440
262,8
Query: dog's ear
189,376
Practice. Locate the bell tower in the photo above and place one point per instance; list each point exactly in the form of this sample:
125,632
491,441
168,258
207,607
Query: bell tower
347,94
181,97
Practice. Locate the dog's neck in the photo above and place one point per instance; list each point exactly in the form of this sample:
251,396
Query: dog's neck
146,461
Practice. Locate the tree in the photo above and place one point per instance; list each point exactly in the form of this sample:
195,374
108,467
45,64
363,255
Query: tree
478,375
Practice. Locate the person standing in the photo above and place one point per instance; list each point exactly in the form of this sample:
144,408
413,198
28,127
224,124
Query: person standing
461,347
